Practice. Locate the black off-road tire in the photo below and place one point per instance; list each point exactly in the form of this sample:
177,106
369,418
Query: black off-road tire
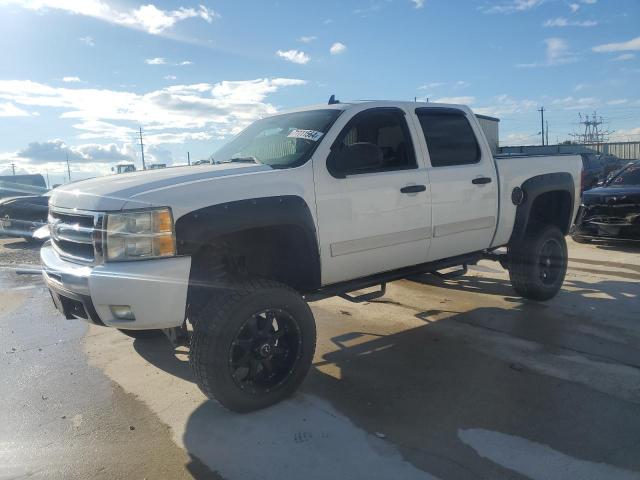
217,325
538,263
141,334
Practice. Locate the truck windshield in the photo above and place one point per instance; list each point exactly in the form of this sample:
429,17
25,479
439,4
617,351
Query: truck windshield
628,176
281,141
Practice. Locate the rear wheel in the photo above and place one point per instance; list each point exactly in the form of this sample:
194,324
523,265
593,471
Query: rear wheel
252,344
538,263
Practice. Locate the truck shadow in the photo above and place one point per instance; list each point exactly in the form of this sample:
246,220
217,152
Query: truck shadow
551,373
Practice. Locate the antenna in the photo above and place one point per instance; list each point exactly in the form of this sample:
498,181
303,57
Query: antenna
188,159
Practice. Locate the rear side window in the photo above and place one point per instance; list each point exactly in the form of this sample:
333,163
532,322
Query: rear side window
449,136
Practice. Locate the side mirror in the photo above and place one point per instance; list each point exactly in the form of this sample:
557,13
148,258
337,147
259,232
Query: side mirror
355,158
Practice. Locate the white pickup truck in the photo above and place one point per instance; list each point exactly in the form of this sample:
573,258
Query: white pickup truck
321,201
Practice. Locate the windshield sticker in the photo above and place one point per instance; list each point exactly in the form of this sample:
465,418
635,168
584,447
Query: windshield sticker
306,134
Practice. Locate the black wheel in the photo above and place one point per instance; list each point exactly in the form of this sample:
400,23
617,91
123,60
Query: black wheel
538,264
579,239
252,344
141,333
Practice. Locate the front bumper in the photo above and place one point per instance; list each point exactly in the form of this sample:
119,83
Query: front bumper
606,224
156,290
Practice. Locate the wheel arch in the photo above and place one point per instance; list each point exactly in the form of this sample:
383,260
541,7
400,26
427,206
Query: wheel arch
272,237
548,199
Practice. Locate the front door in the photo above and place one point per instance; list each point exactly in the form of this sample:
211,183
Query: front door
376,218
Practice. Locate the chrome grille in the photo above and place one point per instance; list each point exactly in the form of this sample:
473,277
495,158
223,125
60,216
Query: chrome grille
73,235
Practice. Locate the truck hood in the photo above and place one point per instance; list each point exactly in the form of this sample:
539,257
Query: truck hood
112,192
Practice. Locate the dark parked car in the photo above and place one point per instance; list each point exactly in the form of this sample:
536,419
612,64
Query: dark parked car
611,211
21,185
21,216
592,170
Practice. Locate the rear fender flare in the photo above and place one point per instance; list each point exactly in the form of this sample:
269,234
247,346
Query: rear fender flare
533,188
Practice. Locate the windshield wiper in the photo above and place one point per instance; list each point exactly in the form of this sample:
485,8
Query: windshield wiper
248,159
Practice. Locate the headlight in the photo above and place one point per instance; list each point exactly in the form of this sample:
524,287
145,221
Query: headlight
139,235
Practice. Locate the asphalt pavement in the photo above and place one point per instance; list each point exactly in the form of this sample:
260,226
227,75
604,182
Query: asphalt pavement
449,379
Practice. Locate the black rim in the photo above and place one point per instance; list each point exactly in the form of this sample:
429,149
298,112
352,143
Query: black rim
265,351
550,261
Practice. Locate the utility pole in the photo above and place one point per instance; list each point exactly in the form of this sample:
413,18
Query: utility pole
547,130
541,110
13,169
144,167
48,182
188,159
68,169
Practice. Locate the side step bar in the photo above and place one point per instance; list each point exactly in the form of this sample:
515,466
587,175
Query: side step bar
454,274
365,297
343,288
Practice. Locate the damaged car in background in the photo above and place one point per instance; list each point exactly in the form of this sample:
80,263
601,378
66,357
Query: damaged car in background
22,216
612,211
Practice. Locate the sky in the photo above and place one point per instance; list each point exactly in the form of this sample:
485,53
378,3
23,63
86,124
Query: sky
78,78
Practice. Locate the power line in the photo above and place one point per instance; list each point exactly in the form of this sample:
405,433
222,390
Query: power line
593,132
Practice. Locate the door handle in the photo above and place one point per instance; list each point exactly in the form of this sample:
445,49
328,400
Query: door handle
481,180
413,189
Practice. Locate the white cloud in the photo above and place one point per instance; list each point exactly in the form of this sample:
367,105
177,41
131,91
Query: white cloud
618,101
626,135
71,79
8,109
307,39
625,57
294,56
557,53
146,17
337,48
185,62
571,103
156,61
631,45
58,151
88,41
563,22
417,4
170,77
513,6
574,7
502,105
429,86
222,108
457,100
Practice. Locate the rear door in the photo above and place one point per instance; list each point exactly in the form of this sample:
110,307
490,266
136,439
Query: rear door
377,219
464,184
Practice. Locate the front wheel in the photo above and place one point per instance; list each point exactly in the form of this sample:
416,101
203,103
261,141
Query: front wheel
252,344
538,263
